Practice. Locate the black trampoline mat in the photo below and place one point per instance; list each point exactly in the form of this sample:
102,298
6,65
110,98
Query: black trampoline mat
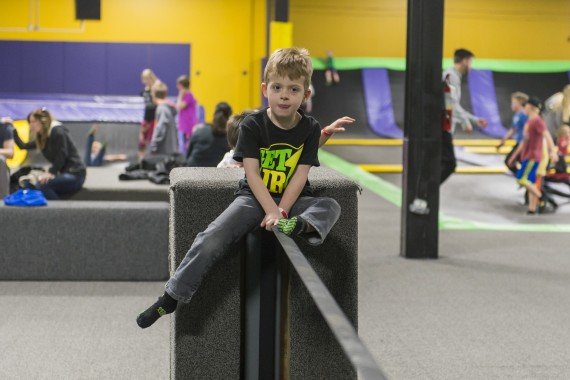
343,99
542,85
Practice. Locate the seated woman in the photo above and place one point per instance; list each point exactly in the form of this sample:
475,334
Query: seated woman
67,173
208,143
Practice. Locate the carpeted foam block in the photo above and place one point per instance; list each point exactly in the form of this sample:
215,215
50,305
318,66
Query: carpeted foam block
84,241
206,333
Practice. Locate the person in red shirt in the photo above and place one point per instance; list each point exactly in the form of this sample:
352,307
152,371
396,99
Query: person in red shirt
530,151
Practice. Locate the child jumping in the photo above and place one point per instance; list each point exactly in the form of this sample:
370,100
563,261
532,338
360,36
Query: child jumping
277,145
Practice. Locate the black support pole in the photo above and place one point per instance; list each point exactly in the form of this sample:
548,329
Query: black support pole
422,130
281,10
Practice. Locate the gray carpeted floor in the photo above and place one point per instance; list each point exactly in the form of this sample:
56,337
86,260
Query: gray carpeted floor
495,305
80,330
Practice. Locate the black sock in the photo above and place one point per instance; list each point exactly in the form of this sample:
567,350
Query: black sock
300,227
165,305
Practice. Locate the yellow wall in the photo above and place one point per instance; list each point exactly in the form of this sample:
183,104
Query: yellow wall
490,28
227,37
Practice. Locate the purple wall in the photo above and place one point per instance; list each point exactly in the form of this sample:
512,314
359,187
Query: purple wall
88,68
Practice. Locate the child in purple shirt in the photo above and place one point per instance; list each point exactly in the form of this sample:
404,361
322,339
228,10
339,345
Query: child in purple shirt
186,105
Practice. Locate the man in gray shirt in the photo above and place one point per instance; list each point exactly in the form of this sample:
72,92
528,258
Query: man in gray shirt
462,60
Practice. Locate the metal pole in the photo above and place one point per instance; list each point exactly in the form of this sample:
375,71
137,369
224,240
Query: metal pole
422,130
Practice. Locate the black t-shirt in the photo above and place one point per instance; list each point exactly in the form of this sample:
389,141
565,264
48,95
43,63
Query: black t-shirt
149,106
6,133
279,151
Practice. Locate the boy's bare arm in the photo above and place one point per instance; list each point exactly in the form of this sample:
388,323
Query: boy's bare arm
552,148
260,192
521,146
507,136
294,187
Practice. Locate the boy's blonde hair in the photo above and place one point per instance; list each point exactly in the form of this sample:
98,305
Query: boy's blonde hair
521,97
148,73
159,90
289,62
563,131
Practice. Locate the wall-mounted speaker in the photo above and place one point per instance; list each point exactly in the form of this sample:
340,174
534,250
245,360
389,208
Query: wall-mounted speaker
88,9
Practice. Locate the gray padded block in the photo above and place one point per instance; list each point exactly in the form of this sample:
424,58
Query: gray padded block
206,333
102,184
89,240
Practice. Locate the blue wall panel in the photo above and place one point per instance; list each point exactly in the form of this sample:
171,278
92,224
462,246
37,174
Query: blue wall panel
169,62
10,63
42,67
84,68
88,68
124,65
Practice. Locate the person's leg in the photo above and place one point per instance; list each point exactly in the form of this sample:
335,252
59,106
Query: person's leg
312,218
100,157
4,178
62,184
527,177
88,148
241,216
181,142
448,161
336,77
512,168
328,77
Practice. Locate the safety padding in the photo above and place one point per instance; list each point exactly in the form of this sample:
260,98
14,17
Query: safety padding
84,241
206,334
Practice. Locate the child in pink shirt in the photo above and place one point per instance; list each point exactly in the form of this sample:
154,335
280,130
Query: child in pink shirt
186,105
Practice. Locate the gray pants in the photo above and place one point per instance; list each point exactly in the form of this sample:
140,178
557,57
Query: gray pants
4,178
243,215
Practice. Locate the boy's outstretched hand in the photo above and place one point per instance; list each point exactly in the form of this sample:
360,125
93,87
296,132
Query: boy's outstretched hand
338,125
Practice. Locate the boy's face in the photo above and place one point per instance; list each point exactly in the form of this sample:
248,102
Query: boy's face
285,95
530,109
515,105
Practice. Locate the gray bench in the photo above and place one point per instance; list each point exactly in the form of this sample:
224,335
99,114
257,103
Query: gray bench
85,240
206,334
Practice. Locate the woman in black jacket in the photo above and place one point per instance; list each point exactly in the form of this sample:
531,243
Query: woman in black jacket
209,143
67,173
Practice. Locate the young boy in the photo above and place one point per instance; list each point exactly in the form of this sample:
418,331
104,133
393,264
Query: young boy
164,137
518,101
277,145
530,150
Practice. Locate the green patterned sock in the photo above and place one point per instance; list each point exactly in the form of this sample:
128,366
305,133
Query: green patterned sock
291,226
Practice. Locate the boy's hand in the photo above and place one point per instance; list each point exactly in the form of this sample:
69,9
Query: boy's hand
45,178
271,219
338,125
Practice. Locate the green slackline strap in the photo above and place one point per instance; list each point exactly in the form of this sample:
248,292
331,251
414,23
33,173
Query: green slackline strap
399,64
393,194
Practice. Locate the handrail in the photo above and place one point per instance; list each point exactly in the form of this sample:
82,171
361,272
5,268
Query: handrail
345,334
